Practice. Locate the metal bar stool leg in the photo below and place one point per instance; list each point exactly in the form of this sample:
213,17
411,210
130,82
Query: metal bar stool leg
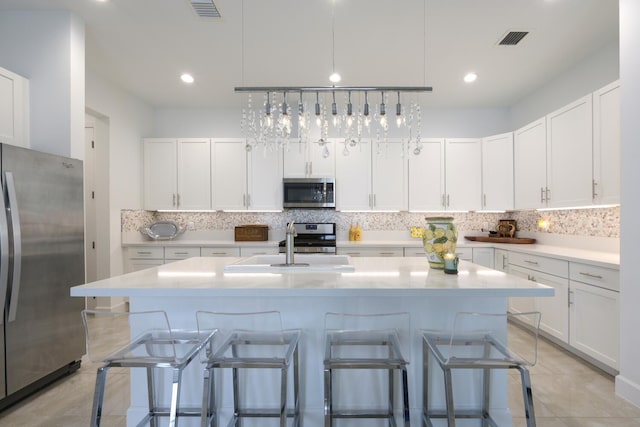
98,396
425,383
151,396
391,396
175,396
283,397
296,391
528,397
208,408
405,397
486,396
448,386
328,407
236,403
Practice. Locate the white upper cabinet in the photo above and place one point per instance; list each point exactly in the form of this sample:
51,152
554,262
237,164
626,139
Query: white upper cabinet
389,176
606,144
353,178
569,155
229,174
426,176
463,167
372,176
312,159
14,109
530,165
246,179
177,174
264,180
497,172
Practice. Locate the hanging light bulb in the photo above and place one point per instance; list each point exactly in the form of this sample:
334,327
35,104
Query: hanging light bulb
382,107
399,118
301,121
318,117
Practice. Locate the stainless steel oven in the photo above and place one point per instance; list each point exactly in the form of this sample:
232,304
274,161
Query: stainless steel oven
309,193
316,238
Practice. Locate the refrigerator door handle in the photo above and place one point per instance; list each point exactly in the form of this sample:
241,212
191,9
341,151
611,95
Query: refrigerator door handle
17,246
4,253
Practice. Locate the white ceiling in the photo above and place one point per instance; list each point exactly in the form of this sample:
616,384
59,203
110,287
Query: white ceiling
144,45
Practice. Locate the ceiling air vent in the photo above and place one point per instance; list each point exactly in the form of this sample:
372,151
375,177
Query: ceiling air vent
512,38
205,8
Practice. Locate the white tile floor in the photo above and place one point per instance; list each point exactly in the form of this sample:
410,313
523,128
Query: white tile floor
567,393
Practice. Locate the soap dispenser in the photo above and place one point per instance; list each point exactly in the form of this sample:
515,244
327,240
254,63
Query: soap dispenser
352,233
358,233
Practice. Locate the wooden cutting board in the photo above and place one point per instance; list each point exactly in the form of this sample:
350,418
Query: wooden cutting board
521,240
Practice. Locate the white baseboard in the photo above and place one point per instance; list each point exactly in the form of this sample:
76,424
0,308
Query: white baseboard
628,390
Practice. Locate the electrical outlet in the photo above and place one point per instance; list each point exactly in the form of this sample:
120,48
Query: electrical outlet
191,226
485,226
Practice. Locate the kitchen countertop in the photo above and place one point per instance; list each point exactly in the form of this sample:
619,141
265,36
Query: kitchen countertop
203,277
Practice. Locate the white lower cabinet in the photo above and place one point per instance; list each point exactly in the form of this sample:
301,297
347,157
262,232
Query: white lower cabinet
465,254
554,310
594,311
413,251
220,252
176,253
259,250
372,251
141,258
483,256
501,260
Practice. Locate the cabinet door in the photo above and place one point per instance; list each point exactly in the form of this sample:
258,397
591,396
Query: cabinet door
295,159
497,172
554,310
521,304
606,144
194,174
570,155
463,172
160,174
14,111
483,256
389,176
322,159
530,165
230,175
265,179
595,322
426,177
501,260
353,178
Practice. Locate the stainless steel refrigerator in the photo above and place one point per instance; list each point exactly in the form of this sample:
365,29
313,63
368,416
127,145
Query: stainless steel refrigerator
41,257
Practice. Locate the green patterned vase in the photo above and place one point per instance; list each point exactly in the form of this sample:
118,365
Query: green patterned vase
439,237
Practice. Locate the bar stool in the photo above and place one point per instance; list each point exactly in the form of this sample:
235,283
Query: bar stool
358,342
478,341
249,341
150,343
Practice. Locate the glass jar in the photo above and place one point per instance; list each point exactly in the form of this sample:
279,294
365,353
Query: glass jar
439,238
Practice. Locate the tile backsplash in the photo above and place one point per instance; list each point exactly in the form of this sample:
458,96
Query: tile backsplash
598,222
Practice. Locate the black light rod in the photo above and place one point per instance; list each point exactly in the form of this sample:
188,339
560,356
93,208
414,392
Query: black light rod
333,89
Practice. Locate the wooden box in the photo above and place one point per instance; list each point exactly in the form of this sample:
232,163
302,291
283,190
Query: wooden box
251,233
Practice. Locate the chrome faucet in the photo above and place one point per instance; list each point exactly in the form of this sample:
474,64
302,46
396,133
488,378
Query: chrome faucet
289,245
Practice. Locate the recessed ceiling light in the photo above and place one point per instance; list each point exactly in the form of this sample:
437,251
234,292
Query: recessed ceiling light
187,78
334,78
470,77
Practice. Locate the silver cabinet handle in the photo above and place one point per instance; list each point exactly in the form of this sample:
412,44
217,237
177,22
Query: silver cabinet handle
310,168
181,253
531,262
244,200
541,194
595,276
173,203
370,201
17,246
484,200
143,252
374,201
504,262
387,253
546,193
594,192
448,204
570,297
178,200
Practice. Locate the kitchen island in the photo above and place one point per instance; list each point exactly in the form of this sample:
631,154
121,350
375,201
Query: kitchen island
377,285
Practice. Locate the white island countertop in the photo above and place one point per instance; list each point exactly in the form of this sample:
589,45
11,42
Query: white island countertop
205,277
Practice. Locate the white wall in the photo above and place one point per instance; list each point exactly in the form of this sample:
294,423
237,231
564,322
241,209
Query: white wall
47,47
225,122
628,382
129,120
582,78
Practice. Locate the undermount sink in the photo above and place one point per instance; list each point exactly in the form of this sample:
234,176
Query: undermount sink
302,262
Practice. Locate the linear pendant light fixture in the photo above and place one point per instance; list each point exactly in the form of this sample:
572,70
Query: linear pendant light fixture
270,126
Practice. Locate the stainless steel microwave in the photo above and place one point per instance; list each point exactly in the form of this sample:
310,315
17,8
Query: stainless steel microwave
309,193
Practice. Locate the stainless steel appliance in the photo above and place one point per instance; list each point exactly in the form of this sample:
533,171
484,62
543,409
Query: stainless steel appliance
41,257
319,238
309,193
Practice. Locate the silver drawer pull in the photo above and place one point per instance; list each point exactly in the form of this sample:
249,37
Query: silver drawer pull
353,253
181,253
531,262
144,253
218,253
595,276
387,253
